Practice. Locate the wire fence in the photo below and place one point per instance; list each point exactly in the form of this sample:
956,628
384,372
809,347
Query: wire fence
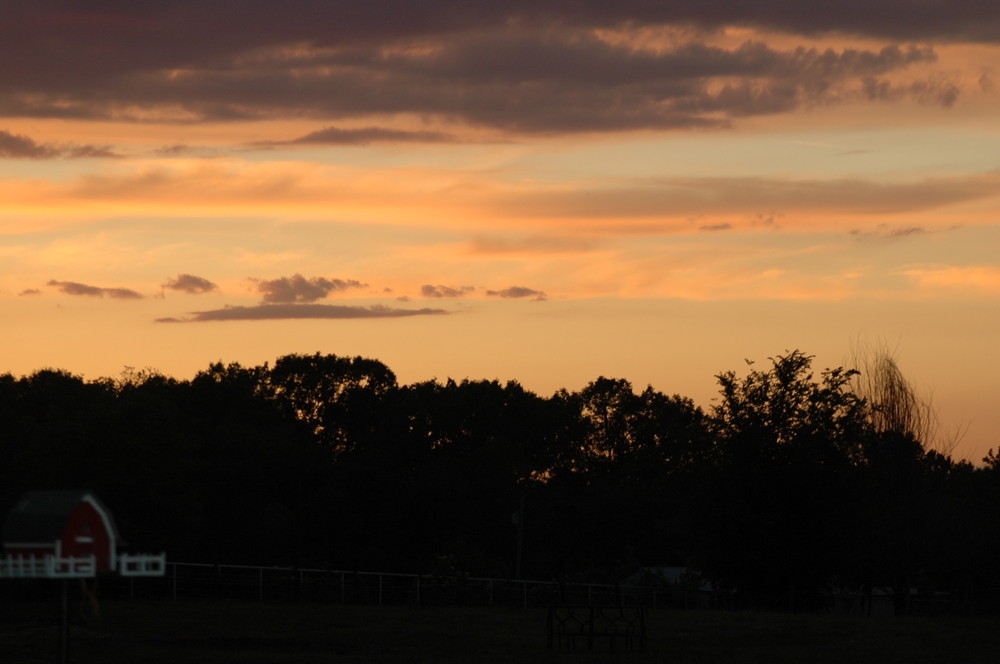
194,581
185,581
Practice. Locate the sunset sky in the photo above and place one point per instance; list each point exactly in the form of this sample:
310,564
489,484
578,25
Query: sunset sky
544,191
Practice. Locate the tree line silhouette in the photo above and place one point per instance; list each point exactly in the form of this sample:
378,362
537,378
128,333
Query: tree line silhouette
790,484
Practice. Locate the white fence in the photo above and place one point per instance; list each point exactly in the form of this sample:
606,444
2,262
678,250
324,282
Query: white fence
47,567
77,567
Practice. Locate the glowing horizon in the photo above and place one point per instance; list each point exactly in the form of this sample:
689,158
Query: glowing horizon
542,193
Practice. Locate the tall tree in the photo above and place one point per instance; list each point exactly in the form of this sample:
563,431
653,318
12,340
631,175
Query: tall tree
785,447
338,396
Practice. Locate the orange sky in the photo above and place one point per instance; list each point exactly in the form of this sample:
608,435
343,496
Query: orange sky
543,192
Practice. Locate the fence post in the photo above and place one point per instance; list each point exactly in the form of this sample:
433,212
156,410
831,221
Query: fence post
260,584
491,593
524,587
380,590
418,590
174,584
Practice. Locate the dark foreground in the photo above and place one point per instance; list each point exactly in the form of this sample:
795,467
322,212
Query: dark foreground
223,633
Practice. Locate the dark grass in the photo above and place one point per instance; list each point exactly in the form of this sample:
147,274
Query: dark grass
229,633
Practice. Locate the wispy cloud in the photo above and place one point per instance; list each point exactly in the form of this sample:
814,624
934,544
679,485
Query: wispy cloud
22,147
665,197
886,231
715,227
535,244
300,311
431,291
517,292
76,288
362,136
16,146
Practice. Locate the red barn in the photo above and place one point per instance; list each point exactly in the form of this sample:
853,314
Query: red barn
60,533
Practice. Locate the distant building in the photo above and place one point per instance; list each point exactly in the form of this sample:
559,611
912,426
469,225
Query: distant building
67,534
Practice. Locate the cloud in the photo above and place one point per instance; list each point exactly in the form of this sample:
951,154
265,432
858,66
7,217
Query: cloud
546,67
362,136
885,231
189,283
89,152
937,91
75,288
30,291
909,230
299,289
427,290
297,311
516,292
174,150
21,147
715,227
512,215
665,197
536,244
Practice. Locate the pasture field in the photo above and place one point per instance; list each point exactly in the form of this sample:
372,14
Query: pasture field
252,633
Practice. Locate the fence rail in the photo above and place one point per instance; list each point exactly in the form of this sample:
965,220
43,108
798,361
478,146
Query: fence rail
183,581
186,581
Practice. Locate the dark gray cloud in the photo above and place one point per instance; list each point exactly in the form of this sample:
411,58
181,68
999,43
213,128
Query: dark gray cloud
189,283
295,311
935,91
22,147
526,83
299,289
527,66
715,227
75,288
428,290
517,292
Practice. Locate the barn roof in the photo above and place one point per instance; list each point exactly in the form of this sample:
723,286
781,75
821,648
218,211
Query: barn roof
41,516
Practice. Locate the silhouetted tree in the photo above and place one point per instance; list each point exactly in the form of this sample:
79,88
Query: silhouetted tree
338,396
792,482
785,447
